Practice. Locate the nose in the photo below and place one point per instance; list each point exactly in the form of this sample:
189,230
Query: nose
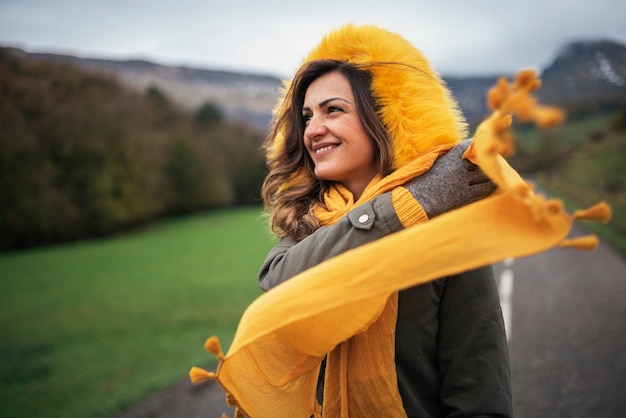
315,128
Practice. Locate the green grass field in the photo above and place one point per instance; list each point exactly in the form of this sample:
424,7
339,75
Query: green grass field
90,328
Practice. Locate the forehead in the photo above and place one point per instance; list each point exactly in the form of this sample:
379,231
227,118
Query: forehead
329,85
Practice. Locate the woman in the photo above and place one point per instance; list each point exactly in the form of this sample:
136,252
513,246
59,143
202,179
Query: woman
344,127
405,317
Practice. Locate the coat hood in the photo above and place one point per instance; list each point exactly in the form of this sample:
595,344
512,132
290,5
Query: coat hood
416,107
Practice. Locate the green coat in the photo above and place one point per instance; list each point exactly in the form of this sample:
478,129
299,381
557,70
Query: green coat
451,350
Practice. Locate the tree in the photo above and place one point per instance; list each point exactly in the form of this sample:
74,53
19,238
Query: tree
208,114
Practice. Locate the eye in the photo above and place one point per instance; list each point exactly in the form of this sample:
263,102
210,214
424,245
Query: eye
306,117
334,109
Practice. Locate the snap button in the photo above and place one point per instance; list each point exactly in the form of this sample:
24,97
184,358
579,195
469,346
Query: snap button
363,217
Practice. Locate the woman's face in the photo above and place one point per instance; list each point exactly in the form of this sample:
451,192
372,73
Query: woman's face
334,135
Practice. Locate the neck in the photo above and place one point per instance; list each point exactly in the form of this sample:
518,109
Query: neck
358,188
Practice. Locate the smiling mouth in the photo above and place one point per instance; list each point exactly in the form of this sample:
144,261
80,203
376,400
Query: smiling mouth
324,148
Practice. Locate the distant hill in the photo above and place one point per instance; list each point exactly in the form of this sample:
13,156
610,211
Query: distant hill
583,76
240,95
84,156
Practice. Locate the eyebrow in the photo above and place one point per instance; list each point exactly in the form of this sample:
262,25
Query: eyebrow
325,102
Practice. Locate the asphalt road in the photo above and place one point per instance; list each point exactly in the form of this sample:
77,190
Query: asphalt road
568,334
566,323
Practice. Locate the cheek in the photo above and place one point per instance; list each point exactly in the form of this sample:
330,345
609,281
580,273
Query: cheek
307,146
369,157
367,148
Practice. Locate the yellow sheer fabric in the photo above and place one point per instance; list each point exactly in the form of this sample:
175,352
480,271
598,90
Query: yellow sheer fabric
346,305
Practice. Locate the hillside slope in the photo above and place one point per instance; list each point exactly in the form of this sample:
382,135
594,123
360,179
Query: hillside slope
583,76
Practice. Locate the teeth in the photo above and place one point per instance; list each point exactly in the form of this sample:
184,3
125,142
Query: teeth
317,151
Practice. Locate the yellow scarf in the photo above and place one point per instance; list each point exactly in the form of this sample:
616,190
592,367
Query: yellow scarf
343,307
367,357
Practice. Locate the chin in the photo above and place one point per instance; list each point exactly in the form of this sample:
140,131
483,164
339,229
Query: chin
326,175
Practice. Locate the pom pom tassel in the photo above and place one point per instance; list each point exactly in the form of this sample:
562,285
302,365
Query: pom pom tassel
548,117
212,345
600,212
198,375
588,242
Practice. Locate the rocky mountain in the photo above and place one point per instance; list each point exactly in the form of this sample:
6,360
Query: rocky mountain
592,72
471,94
584,75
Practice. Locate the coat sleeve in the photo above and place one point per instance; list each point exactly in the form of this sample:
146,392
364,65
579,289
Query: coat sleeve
364,224
472,348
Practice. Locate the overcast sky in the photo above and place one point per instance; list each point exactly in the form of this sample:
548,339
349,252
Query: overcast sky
459,37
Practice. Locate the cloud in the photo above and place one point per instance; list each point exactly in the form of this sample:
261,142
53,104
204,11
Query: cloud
458,36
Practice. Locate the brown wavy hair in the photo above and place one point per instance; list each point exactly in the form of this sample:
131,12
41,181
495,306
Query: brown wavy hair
290,190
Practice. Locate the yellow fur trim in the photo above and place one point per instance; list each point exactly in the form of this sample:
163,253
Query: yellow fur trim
417,108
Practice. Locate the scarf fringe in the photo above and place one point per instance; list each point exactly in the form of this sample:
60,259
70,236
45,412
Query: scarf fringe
199,375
